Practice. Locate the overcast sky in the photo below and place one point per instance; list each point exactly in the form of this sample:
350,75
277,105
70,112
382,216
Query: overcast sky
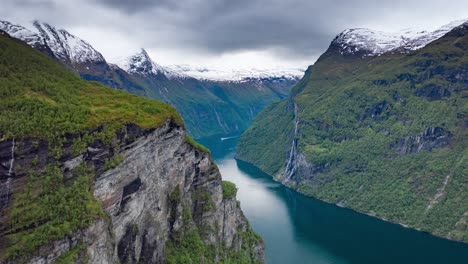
228,33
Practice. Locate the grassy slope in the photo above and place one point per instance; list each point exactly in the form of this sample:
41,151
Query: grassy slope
210,108
40,99
263,144
362,169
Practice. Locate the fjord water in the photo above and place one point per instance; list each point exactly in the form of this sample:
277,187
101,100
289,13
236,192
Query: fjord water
299,229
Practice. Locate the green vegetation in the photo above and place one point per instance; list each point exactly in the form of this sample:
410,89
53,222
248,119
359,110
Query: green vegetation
186,246
47,210
212,108
195,144
265,142
72,255
40,99
229,190
204,197
113,162
354,117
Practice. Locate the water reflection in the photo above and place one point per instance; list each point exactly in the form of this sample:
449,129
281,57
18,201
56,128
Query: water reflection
299,229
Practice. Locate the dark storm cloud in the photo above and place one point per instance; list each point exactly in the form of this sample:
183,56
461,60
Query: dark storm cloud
138,5
296,27
288,28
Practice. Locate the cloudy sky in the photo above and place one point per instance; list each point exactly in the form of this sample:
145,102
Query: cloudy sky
227,33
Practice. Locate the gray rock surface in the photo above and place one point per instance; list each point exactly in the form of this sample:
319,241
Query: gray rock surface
136,195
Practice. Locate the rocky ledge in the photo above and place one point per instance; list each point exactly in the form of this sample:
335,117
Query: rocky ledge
161,194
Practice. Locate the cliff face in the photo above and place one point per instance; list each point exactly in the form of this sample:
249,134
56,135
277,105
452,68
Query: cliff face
90,174
159,190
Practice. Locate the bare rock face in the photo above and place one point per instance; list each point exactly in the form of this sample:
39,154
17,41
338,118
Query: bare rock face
160,180
432,137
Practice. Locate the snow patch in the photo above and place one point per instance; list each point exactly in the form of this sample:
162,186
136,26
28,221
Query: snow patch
238,75
19,32
141,63
67,46
63,45
374,43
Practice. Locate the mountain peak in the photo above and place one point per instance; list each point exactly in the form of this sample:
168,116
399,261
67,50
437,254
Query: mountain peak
65,46
141,63
367,42
144,53
19,32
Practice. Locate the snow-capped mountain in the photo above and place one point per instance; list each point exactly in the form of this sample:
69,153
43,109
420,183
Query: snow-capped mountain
367,42
67,46
423,40
64,46
141,63
19,32
237,75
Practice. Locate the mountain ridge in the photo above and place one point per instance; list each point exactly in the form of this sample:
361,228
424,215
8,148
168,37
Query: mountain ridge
382,135
208,108
90,174
367,42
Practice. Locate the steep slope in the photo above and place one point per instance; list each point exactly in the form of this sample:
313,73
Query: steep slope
72,53
367,42
385,135
208,108
93,174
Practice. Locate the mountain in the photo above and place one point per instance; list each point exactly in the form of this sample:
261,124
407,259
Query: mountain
381,129
239,75
71,52
279,80
366,42
31,38
142,64
93,174
208,107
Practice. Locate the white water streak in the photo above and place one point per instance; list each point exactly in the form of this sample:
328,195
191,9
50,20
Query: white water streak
290,167
12,161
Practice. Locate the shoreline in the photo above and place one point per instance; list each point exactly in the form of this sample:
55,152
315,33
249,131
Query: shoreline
352,209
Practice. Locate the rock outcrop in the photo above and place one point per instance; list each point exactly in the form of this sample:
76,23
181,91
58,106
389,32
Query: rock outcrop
160,188
432,137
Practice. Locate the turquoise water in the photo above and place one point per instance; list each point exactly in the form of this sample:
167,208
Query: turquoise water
300,229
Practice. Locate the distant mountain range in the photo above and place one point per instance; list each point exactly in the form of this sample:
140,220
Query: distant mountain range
90,174
212,102
239,75
378,124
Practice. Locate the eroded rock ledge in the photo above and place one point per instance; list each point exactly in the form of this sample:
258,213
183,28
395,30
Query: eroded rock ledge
160,190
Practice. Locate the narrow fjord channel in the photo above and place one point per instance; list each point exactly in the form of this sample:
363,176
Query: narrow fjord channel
299,229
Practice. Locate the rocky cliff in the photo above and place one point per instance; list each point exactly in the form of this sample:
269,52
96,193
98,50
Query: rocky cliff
159,190
90,174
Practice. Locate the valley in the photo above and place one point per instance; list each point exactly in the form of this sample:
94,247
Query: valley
301,229
244,132
213,103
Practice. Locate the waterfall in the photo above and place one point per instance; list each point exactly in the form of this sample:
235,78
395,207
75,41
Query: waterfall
5,187
12,161
291,164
